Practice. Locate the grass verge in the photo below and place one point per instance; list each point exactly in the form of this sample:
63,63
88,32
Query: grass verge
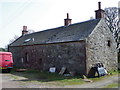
47,78
54,78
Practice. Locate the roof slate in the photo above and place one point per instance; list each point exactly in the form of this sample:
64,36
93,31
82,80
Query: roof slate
73,32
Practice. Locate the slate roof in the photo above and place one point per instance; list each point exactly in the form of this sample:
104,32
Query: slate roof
73,32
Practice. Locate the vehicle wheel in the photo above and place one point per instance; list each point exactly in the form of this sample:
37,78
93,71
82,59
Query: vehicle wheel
8,70
4,70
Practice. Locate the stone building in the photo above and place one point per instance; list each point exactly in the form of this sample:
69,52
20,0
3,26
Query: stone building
74,46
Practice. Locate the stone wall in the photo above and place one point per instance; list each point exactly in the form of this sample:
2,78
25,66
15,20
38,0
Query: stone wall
70,55
101,47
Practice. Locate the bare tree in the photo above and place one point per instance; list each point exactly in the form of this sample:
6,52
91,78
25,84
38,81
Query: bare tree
14,38
30,31
111,18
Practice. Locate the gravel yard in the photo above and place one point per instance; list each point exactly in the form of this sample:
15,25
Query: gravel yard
21,80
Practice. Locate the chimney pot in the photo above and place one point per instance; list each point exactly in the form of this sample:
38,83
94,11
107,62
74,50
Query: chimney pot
99,5
67,15
24,27
67,21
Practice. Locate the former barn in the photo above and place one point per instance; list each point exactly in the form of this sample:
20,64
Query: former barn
75,46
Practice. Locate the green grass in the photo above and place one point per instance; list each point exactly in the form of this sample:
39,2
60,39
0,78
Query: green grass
114,72
54,78
15,77
48,78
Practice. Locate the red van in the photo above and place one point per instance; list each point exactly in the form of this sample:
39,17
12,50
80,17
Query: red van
6,61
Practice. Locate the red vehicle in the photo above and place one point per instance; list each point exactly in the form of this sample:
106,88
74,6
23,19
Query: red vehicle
6,61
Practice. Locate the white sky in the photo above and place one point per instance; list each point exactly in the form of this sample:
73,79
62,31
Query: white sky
43,14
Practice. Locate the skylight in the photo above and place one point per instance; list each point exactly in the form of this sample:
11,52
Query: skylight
27,40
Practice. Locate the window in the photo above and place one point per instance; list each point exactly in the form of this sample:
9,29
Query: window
109,43
26,57
22,60
40,60
7,60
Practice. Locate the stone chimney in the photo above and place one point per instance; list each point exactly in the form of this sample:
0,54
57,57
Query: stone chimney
99,13
67,21
24,31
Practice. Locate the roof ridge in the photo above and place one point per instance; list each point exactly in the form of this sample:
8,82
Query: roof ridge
64,26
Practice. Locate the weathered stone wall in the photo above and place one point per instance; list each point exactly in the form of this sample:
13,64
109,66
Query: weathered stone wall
101,47
70,55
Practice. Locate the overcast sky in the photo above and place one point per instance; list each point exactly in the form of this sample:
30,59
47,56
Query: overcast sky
40,15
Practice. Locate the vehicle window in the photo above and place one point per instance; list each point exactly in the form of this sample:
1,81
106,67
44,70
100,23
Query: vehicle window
7,60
